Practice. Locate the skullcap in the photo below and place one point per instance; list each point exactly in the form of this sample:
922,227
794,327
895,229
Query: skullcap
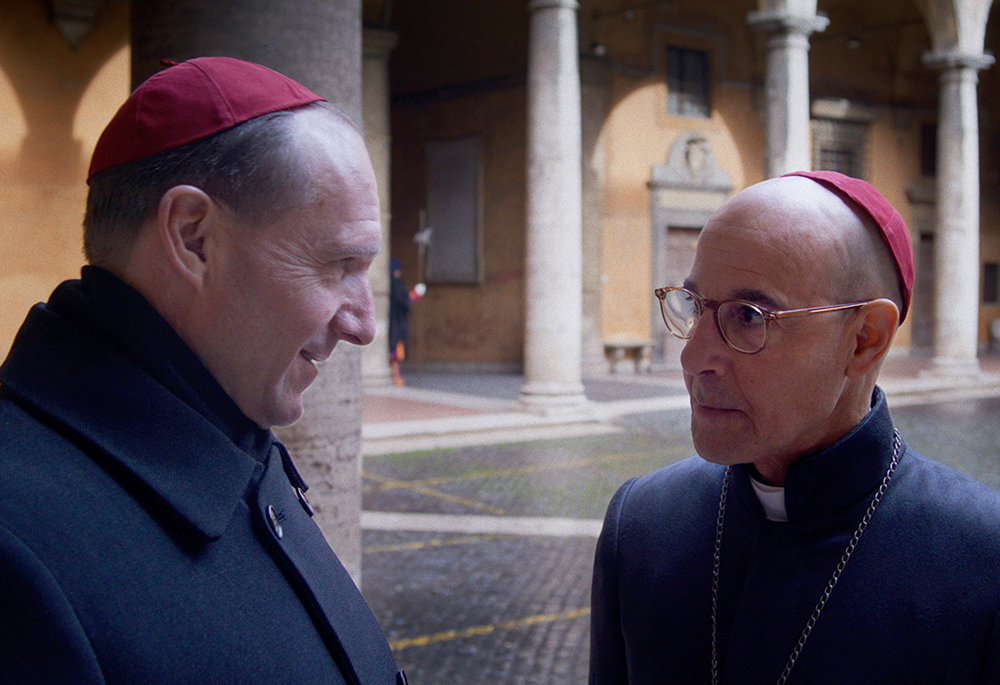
193,100
888,220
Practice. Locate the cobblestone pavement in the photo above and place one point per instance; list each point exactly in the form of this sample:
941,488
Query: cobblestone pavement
462,607
458,608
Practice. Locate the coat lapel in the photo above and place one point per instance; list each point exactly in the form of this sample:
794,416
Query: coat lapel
101,396
354,635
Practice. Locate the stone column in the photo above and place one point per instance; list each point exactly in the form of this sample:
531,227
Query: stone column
594,110
956,241
376,47
786,134
318,43
553,297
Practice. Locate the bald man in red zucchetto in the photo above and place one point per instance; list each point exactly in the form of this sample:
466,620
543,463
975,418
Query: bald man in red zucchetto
806,543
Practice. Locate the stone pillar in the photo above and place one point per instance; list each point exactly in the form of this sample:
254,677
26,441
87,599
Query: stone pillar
318,43
594,112
376,47
786,134
956,241
553,298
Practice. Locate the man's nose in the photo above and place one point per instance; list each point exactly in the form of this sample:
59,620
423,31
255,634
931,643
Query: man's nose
705,349
354,322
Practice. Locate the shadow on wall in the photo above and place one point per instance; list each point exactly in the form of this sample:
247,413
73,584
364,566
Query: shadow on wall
54,101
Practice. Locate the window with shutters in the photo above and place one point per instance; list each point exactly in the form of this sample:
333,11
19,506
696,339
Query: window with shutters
687,83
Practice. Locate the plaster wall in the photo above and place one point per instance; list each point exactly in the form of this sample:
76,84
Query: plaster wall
892,165
54,101
639,136
989,251
466,323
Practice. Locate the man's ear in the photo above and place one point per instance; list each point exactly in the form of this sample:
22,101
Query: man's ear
184,221
873,331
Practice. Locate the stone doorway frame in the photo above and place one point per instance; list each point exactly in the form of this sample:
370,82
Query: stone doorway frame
684,193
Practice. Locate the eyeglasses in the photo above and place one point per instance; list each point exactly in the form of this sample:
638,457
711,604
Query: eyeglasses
743,325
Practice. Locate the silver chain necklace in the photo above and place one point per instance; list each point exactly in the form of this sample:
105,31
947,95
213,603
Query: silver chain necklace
829,586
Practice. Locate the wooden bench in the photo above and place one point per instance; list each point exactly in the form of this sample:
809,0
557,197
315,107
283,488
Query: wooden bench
636,349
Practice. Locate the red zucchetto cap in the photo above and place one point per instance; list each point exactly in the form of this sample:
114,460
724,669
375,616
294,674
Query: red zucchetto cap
193,100
886,217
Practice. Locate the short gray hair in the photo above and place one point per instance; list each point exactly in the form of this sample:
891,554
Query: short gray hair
254,168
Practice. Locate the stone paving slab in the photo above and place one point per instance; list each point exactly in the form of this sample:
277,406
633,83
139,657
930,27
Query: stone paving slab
494,583
569,477
477,524
505,609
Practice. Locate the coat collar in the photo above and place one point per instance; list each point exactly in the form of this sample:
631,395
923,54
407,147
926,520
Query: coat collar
840,476
64,368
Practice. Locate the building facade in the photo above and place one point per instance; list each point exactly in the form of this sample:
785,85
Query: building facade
683,103
555,158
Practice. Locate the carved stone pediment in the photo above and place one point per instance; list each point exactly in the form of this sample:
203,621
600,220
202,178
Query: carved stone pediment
690,186
691,165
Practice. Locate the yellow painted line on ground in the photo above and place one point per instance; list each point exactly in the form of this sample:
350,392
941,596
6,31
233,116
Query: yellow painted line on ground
448,635
388,484
392,484
439,542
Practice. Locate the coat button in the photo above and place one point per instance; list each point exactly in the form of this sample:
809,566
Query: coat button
304,501
272,518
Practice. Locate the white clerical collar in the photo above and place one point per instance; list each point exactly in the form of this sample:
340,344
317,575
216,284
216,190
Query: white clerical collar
772,498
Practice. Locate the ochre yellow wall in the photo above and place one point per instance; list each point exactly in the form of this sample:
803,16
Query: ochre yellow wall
481,323
54,102
989,251
639,136
892,163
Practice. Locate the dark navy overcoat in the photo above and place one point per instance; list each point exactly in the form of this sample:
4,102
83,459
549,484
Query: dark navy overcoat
148,532
918,601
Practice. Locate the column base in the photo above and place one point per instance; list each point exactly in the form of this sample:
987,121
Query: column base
376,379
554,398
958,370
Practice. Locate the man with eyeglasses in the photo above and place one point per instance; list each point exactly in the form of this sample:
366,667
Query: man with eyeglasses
807,543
